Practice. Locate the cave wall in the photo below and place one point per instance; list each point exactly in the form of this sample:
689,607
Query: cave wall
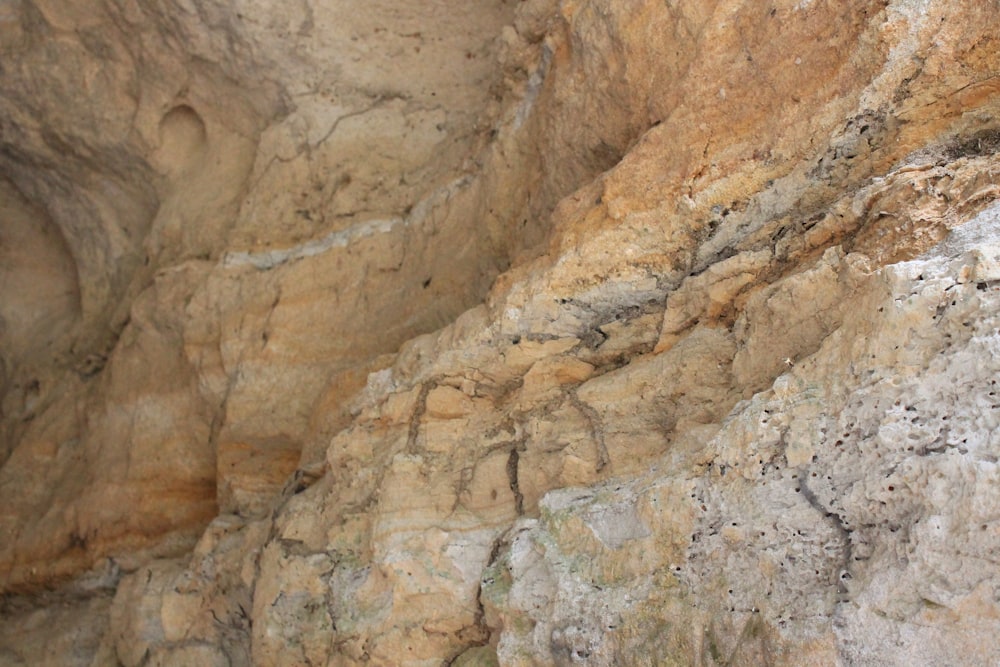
543,333
255,202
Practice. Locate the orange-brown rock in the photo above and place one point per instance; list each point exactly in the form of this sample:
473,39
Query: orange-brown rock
582,332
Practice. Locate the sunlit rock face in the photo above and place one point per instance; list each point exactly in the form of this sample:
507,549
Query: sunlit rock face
528,333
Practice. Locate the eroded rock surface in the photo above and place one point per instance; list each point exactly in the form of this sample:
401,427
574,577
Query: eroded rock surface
246,194
707,295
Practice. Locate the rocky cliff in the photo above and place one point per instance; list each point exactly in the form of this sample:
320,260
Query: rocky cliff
594,332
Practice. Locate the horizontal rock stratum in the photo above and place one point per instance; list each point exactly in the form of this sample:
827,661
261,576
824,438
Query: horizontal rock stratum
499,333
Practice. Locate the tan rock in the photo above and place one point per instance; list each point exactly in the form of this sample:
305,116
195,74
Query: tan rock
583,332
445,402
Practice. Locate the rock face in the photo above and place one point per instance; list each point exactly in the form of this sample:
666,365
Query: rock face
587,332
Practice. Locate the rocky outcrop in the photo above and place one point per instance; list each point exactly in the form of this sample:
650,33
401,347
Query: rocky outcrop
233,241
582,333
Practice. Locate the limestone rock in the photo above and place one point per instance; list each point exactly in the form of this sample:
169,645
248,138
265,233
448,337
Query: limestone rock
566,333
811,528
210,158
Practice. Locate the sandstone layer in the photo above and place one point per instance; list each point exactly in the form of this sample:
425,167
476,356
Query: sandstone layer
561,333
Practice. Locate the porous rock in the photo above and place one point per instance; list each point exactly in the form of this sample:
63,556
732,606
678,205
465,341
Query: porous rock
588,332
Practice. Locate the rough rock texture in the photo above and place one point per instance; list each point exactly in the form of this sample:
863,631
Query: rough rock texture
240,216
708,297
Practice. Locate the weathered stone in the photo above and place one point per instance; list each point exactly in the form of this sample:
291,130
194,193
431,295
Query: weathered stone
566,333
